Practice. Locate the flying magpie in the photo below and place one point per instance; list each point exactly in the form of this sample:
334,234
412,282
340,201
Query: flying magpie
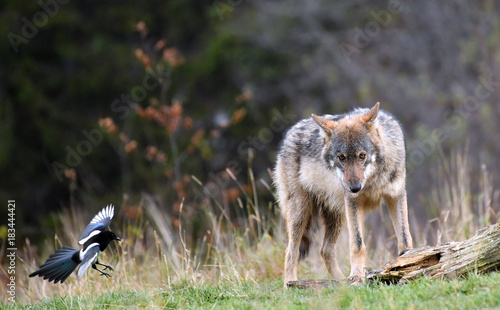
95,239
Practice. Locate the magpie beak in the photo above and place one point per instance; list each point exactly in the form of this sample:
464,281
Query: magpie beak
95,239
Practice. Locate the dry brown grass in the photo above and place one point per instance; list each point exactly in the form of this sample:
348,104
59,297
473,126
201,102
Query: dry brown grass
155,255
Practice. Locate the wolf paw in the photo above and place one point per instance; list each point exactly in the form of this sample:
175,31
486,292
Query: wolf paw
356,279
403,252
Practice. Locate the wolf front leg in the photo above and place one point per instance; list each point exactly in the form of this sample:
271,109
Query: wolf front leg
334,222
354,212
398,209
297,214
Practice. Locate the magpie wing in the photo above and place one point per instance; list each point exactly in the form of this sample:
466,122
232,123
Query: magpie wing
99,223
58,266
88,257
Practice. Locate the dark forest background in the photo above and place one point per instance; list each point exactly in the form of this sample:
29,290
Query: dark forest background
105,101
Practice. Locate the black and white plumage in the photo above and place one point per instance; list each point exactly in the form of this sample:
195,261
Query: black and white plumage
95,239
99,223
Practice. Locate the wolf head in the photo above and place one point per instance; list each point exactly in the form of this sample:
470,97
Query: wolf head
349,148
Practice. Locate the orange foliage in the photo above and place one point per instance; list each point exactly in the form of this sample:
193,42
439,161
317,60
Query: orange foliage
173,57
131,146
238,115
108,124
70,174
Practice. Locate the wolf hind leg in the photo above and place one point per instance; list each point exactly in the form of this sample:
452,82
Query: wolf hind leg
297,211
334,222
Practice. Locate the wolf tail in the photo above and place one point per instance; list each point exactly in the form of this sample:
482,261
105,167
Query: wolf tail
305,245
307,238
59,265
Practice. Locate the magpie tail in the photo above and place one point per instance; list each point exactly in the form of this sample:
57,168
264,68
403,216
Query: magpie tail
59,265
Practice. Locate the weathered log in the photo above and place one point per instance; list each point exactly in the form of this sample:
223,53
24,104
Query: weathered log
311,283
479,254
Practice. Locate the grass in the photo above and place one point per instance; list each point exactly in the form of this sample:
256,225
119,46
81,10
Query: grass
238,264
476,292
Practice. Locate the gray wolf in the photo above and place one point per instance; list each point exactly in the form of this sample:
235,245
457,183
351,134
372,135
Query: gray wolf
337,167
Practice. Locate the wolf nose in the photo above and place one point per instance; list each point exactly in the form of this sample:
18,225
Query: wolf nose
355,187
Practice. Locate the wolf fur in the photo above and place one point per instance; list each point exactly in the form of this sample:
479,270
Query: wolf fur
337,167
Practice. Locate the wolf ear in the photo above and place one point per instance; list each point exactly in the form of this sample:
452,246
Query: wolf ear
324,123
369,117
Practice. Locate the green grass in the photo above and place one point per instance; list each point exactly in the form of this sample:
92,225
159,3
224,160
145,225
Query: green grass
238,265
476,292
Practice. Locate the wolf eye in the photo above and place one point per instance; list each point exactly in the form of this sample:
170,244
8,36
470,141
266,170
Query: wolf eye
362,156
341,157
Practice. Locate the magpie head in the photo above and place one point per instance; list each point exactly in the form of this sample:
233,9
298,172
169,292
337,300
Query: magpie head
111,235
115,237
